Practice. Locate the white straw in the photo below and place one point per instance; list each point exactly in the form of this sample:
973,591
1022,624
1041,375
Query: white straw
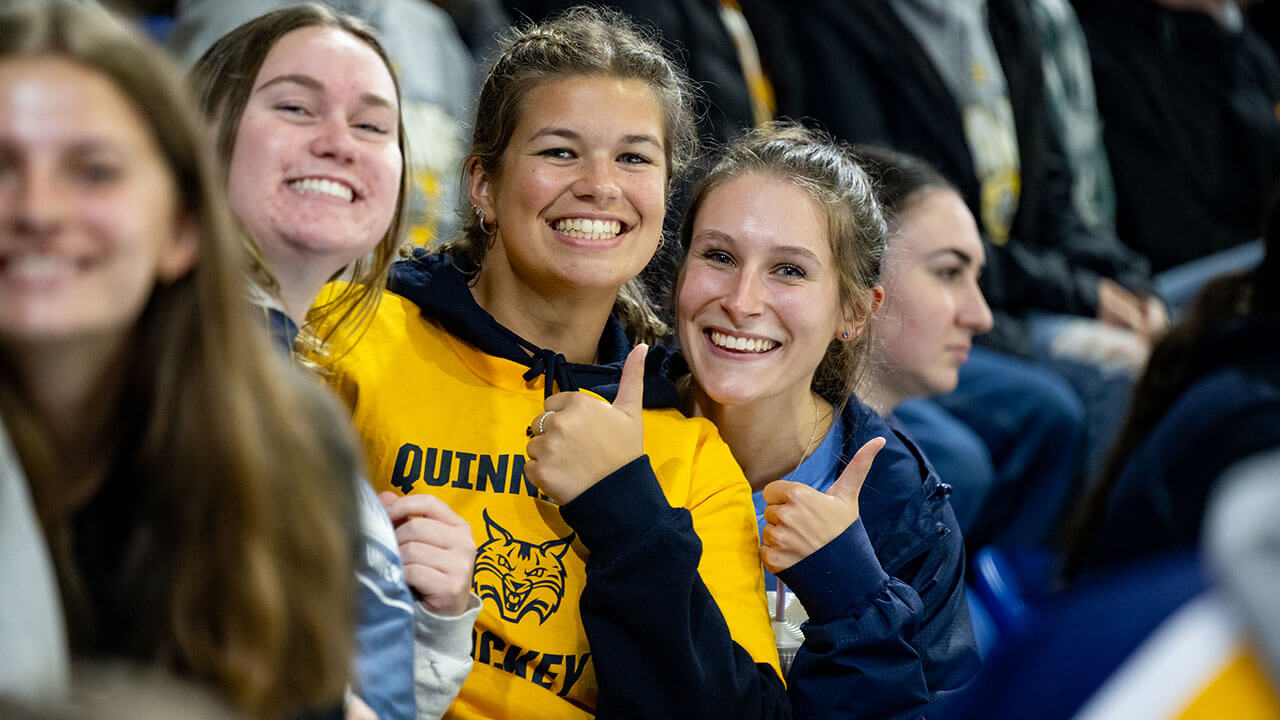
780,602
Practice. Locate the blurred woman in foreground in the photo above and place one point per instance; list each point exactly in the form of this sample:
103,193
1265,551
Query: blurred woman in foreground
152,420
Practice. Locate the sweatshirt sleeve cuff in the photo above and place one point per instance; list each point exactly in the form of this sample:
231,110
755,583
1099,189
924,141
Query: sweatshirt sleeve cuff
616,510
450,635
441,657
840,575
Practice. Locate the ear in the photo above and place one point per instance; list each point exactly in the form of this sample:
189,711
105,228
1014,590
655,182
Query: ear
557,548
853,323
482,190
490,526
180,255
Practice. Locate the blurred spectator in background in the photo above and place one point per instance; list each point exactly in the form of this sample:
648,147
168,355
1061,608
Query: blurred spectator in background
1145,632
1011,446
961,85
1073,110
1189,97
1210,396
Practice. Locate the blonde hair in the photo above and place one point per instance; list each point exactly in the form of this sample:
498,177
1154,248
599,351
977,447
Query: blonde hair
223,81
828,172
218,582
582,41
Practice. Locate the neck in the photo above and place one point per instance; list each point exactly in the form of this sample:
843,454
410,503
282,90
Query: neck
569,323
297,294
770,437
75,392
878,395
301,277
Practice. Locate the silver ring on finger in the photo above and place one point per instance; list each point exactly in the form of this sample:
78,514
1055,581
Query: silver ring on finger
539,424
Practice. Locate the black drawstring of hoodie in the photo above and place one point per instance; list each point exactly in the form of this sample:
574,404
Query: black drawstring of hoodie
551,364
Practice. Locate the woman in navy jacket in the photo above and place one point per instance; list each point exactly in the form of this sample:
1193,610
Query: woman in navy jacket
783,243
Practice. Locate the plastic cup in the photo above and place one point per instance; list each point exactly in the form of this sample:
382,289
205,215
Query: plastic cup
786,633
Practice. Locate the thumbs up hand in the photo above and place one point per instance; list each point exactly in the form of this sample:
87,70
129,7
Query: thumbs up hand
578,439
800,520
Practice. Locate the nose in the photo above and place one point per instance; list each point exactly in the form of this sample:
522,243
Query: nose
743,299
333,140
36,205
974,313
598,182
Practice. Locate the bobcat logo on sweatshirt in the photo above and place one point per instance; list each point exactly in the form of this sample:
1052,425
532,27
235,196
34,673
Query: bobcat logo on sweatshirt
520,577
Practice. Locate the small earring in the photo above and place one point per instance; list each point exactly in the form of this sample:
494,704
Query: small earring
845,335
485,227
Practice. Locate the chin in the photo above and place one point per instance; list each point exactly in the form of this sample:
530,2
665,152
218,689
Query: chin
945,385
733,393
331,243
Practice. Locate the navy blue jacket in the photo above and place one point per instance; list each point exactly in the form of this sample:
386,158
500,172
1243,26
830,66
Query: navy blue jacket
889,631
1232,411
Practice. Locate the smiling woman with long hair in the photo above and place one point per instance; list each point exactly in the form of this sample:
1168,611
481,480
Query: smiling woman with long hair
782,247
306,108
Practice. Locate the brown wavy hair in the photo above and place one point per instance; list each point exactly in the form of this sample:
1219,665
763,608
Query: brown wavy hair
582,41
827,171
237,557
223,81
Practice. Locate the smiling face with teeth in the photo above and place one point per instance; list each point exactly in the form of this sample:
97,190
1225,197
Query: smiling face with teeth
89,212
758,300
315,171
580,197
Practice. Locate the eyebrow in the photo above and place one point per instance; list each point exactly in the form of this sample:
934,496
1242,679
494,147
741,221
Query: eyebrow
797,251
568,134
961,255
311,83
93,145
81,146
792,250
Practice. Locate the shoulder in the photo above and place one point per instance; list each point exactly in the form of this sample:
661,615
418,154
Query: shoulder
904,504
1225,415
669,432
1219,408
395,322
900,466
